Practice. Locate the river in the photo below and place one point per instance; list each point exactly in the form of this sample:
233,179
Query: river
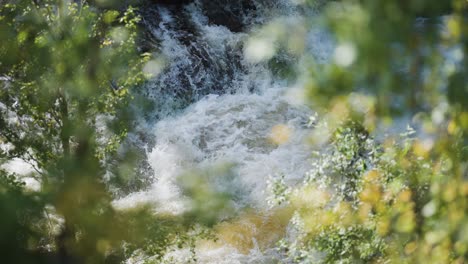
216,104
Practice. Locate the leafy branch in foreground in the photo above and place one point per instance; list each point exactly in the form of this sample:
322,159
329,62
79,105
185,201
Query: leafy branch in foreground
66,72
389,199
396,206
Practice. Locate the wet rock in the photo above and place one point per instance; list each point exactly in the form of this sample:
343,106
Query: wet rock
175,3
227,13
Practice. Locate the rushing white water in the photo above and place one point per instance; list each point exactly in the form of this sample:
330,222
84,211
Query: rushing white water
237,105
228,128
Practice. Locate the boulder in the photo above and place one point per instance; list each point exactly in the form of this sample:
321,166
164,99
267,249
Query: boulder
228,13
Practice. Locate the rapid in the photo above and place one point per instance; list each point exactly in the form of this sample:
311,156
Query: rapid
213,106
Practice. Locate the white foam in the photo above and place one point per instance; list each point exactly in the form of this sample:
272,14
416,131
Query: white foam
233,128
228,128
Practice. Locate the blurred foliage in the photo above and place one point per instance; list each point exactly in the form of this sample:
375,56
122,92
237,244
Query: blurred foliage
373,195
406,53
379,202
19,212
209,201
67,70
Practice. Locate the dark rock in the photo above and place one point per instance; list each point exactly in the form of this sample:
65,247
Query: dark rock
177,3
227,13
